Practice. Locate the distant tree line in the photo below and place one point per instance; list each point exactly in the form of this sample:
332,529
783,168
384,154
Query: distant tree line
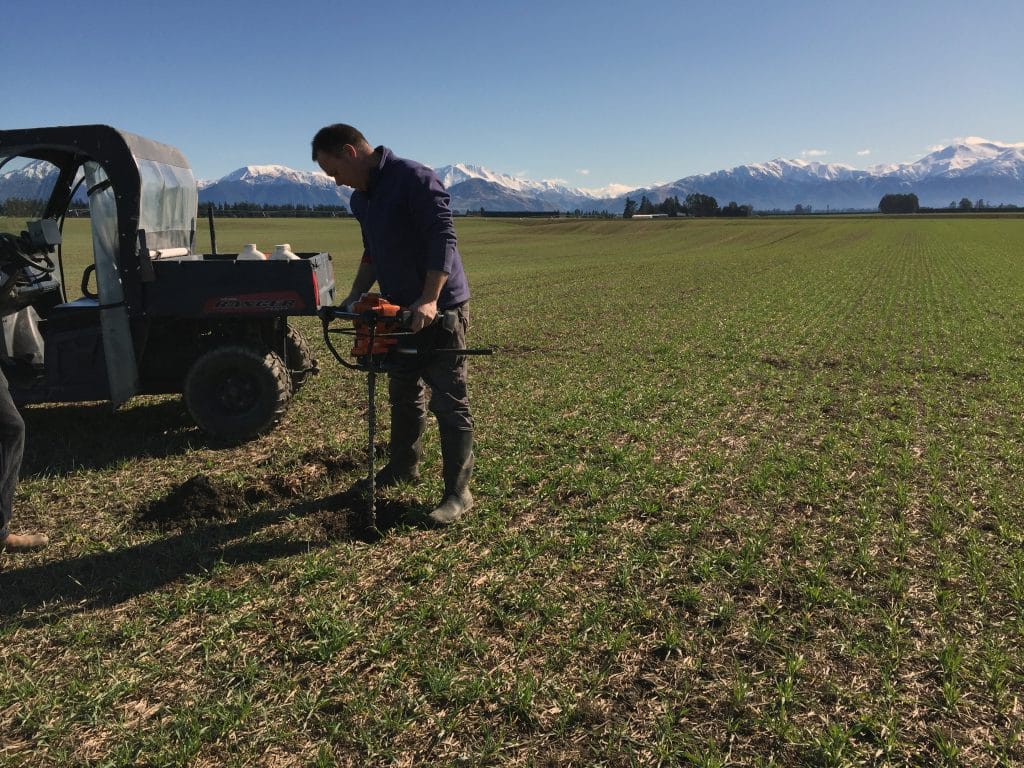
695,204
908,203
578,213
733,210
21,206
980,204
243,210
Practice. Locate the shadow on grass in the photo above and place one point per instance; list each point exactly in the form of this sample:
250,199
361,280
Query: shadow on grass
49,592
60,439
105,579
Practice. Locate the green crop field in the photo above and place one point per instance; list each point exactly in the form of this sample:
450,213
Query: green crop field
749,493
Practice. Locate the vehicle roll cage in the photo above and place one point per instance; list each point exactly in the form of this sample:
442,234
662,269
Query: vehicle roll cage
68,148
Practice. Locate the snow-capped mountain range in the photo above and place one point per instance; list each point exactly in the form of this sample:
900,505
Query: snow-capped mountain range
973,168
272,185
31,182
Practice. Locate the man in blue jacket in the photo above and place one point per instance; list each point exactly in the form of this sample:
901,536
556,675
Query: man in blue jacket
410,251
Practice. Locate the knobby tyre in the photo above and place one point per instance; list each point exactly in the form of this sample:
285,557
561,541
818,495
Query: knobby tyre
301,362
237,392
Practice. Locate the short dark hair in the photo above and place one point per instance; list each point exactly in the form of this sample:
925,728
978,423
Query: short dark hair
332,138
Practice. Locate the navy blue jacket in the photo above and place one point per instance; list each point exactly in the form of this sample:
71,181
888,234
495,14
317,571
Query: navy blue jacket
407,230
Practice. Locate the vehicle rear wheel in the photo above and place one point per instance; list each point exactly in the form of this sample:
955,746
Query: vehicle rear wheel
299,358
237,392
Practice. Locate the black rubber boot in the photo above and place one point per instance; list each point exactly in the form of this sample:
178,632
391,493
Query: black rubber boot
457,455
405,449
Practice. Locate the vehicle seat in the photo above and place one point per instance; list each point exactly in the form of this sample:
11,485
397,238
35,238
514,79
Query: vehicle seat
81,304
81,311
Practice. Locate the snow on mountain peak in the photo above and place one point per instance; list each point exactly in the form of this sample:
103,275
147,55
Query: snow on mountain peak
272,174
970,155
33,169
450,175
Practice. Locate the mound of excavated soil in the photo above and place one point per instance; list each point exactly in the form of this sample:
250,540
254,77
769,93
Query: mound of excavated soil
198,500
201,500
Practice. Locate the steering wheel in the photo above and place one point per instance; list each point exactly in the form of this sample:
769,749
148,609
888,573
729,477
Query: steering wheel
40,261
20,250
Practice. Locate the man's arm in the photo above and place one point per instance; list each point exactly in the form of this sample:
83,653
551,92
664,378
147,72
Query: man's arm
431,215
365,277
424,309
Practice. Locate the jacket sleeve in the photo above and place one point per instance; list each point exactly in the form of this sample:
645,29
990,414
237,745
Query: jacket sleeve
432,215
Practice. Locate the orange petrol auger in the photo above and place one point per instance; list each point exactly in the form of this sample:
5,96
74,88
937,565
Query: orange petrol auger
379,328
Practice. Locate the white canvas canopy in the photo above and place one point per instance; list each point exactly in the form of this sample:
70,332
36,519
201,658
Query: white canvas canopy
142,198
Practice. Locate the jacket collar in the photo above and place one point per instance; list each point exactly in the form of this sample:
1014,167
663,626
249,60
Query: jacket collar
375,173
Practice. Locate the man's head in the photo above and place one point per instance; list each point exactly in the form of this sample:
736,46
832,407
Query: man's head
344,154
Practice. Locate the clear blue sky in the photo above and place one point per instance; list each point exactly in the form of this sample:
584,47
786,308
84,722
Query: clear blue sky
589,92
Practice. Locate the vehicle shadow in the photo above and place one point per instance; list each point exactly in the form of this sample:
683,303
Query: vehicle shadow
99,580
60,439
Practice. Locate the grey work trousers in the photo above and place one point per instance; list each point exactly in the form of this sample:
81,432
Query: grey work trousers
444,374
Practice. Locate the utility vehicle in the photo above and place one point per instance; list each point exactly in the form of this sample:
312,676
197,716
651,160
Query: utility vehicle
162,318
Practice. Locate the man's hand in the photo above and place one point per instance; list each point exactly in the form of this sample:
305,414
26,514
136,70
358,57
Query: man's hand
423,313
424,309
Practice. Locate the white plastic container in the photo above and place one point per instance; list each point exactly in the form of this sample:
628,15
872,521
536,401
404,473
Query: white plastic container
283,252
251,252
